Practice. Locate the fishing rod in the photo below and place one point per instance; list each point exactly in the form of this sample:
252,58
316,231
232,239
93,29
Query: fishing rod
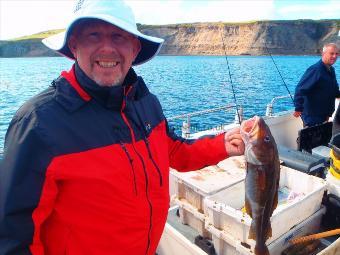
231,80
265,45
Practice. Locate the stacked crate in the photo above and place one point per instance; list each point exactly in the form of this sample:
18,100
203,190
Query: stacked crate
192,187
229,225
226,244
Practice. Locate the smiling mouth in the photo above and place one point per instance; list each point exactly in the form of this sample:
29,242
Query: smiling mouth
107,64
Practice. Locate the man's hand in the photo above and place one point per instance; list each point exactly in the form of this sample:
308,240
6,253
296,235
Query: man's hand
234,144
297,114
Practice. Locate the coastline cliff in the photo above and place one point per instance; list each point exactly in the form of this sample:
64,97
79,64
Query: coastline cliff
291,37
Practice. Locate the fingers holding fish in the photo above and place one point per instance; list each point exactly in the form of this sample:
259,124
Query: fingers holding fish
234,143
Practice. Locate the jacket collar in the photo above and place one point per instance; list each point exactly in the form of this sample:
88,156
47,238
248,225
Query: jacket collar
74,89
329,69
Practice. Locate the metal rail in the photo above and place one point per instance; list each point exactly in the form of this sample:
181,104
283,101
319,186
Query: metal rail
192,114
186,124
269,110
238,115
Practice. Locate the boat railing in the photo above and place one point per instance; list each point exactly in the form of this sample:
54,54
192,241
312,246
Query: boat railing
270,106
187,116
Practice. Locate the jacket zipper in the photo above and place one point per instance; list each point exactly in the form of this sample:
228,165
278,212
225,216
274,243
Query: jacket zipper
147,143
153,161
132,167
143,164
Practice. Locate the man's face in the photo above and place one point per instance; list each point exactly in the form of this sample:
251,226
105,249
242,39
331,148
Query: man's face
330,55
104,52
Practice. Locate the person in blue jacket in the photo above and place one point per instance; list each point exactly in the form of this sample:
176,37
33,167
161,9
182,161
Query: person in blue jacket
315,93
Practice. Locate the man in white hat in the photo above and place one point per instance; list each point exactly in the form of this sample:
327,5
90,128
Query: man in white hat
86,162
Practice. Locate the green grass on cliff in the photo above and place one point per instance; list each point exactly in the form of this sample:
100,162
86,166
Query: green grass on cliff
40,35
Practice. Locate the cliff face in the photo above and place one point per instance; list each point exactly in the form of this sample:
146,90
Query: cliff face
280,37
24,48
300,37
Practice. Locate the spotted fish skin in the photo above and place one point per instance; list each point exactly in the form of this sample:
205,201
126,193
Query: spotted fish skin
262,179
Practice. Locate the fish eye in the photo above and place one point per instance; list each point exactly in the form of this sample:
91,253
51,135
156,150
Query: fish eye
267,139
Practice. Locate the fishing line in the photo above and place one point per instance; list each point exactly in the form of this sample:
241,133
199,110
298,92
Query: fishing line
265,44
231,81
279,72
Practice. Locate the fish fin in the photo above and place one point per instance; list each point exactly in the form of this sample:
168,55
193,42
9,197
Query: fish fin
248,208
261,249
252,231
275,202
269,232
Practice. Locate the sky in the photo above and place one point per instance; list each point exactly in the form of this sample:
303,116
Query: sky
25,17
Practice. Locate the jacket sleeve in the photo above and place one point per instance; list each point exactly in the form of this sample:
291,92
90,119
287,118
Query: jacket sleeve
193,154
21,179
305,85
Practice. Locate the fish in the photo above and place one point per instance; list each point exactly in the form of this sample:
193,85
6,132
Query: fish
262,179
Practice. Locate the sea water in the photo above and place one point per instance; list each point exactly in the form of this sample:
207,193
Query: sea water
183,84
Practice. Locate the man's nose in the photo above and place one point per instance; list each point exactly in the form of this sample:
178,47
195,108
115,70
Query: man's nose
108,43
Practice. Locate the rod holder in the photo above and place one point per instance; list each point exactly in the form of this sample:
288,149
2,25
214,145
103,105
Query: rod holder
238,113
185,129
269,110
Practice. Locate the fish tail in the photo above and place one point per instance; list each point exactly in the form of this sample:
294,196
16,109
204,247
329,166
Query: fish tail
261,249
252,231
269,231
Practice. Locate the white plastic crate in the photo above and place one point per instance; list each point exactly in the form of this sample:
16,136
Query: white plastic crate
225,244
223,209
322,151
194,186
189,215
333,184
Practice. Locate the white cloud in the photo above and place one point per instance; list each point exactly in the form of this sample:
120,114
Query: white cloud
314,10
20,17
156,12
24,17
175,11
233,11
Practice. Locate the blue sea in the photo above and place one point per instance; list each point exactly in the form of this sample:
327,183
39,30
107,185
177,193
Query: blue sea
183,84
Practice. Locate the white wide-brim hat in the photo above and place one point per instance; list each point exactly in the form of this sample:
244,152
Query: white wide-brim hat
115,12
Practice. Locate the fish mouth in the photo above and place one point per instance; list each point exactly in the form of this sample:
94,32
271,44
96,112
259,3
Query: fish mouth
249,128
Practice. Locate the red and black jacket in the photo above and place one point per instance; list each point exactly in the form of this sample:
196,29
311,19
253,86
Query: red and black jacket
86,169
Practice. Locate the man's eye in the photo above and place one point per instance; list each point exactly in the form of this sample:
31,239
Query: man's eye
118,38
93,37
94,34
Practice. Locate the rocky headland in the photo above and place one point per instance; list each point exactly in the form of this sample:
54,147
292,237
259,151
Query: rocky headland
293,37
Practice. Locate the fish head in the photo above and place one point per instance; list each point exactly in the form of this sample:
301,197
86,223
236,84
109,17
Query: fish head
260,146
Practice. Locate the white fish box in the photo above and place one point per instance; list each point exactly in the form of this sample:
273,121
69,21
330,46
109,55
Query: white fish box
333,184
223,209
322,151
194,186
225,244
189,215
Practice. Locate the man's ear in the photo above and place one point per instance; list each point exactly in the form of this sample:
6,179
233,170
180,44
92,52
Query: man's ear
72,45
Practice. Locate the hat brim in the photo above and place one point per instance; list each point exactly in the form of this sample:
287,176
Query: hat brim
150,46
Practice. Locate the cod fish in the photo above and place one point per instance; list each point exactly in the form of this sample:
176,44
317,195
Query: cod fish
262,179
